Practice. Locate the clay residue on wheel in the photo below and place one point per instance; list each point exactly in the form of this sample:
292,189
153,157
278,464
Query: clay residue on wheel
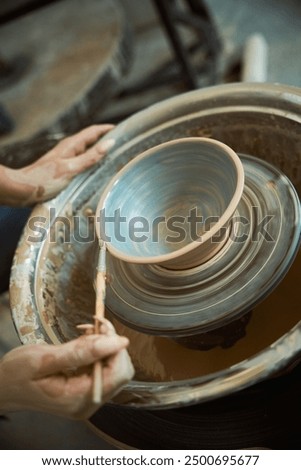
161,359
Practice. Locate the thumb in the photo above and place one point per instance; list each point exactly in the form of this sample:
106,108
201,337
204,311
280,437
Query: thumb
79,352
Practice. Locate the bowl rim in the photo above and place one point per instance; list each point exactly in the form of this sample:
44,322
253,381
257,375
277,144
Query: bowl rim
223,220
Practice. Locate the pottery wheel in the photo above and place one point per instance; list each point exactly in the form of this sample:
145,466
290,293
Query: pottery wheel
263,240
52,290
75,55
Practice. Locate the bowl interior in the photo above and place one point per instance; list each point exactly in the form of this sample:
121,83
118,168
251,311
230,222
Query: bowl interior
170,196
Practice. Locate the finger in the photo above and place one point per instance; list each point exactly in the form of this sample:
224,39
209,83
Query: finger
60,385
92,133
107,327
82,162
118,372
68,396
80,352
77,143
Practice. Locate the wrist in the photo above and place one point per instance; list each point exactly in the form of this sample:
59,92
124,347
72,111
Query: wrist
14,191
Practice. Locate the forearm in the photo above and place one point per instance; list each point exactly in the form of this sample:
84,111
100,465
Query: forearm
13,190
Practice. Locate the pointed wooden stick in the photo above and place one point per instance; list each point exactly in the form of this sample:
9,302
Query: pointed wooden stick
100,288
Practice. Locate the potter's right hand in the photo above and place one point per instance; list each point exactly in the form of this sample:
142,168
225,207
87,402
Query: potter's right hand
56,379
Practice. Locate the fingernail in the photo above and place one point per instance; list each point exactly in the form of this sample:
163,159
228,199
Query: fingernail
107,144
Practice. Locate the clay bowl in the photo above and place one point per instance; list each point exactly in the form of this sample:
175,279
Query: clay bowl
171,205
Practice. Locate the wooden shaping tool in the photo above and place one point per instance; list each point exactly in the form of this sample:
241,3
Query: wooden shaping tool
88,329
100,288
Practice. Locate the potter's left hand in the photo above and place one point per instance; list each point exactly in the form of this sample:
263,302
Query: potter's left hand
51,173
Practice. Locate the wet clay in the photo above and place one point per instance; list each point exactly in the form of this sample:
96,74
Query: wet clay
161,359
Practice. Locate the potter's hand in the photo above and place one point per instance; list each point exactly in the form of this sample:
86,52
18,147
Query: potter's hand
56,379
46,177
